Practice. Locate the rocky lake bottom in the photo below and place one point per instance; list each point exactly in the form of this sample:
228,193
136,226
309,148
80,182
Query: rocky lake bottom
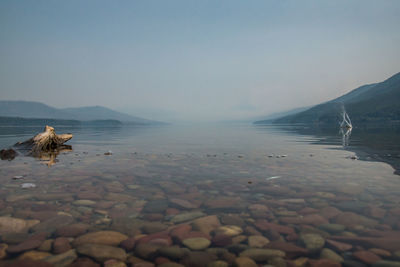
212,197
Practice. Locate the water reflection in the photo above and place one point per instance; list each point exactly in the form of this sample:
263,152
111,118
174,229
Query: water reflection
369,142
346,133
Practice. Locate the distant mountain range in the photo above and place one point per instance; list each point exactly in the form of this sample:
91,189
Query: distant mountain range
372,103
37,110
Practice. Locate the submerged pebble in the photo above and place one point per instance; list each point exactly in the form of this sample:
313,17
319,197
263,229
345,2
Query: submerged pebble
28,185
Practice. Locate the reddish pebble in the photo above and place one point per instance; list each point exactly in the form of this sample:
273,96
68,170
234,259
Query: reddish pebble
84,262
61,245
339,246
161,260
222,240
323,263
28,263
366,256
380,252
172,211
24,246
128,244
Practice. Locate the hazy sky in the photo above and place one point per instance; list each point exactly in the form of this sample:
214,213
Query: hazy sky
194,59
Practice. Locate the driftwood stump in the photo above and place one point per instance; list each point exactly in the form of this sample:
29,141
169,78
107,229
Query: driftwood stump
45,142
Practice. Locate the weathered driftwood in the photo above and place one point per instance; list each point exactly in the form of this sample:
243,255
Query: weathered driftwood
45,142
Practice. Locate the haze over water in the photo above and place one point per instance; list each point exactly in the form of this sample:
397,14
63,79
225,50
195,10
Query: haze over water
132,190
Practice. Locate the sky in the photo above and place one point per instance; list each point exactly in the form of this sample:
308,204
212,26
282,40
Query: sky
195,60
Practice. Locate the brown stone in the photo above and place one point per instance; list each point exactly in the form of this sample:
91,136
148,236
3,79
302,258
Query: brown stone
338,246
323,263
3,251
27,263
387,243
114,263
206,224
310,219
89,195
128,244
330,212
24,246
110,238
264,226
376,212
244,262
84,262
146,251
101,253
221,240
34,255
72,230
350,219
290,249
380,252
61,245
198,259
366,256
179,232
181,203
162,238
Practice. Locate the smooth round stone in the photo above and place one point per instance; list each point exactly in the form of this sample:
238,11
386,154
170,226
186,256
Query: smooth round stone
110,238
329,254
170,264
386,264
257,241
114,263
61,245
24,246
260,255
353,263
155,206
72,230
184,217
146,251
197,243
14,238
153,227
12,225
218,264
313,242
46,246
84,202
64,259
3,249
245,262
332,228
53,223
34,255
277,262
102,253
206,224
198,258
228,230
173,252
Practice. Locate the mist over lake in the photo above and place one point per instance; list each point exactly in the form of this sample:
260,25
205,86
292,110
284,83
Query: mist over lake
200,133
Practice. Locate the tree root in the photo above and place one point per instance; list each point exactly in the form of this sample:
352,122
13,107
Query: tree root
45,142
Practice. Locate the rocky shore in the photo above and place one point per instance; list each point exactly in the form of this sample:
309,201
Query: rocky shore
171,211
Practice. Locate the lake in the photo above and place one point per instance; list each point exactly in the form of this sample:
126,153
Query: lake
204,194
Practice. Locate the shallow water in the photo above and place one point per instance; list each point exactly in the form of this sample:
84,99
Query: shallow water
281,183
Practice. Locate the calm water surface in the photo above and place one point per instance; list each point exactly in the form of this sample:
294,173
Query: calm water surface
285,184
